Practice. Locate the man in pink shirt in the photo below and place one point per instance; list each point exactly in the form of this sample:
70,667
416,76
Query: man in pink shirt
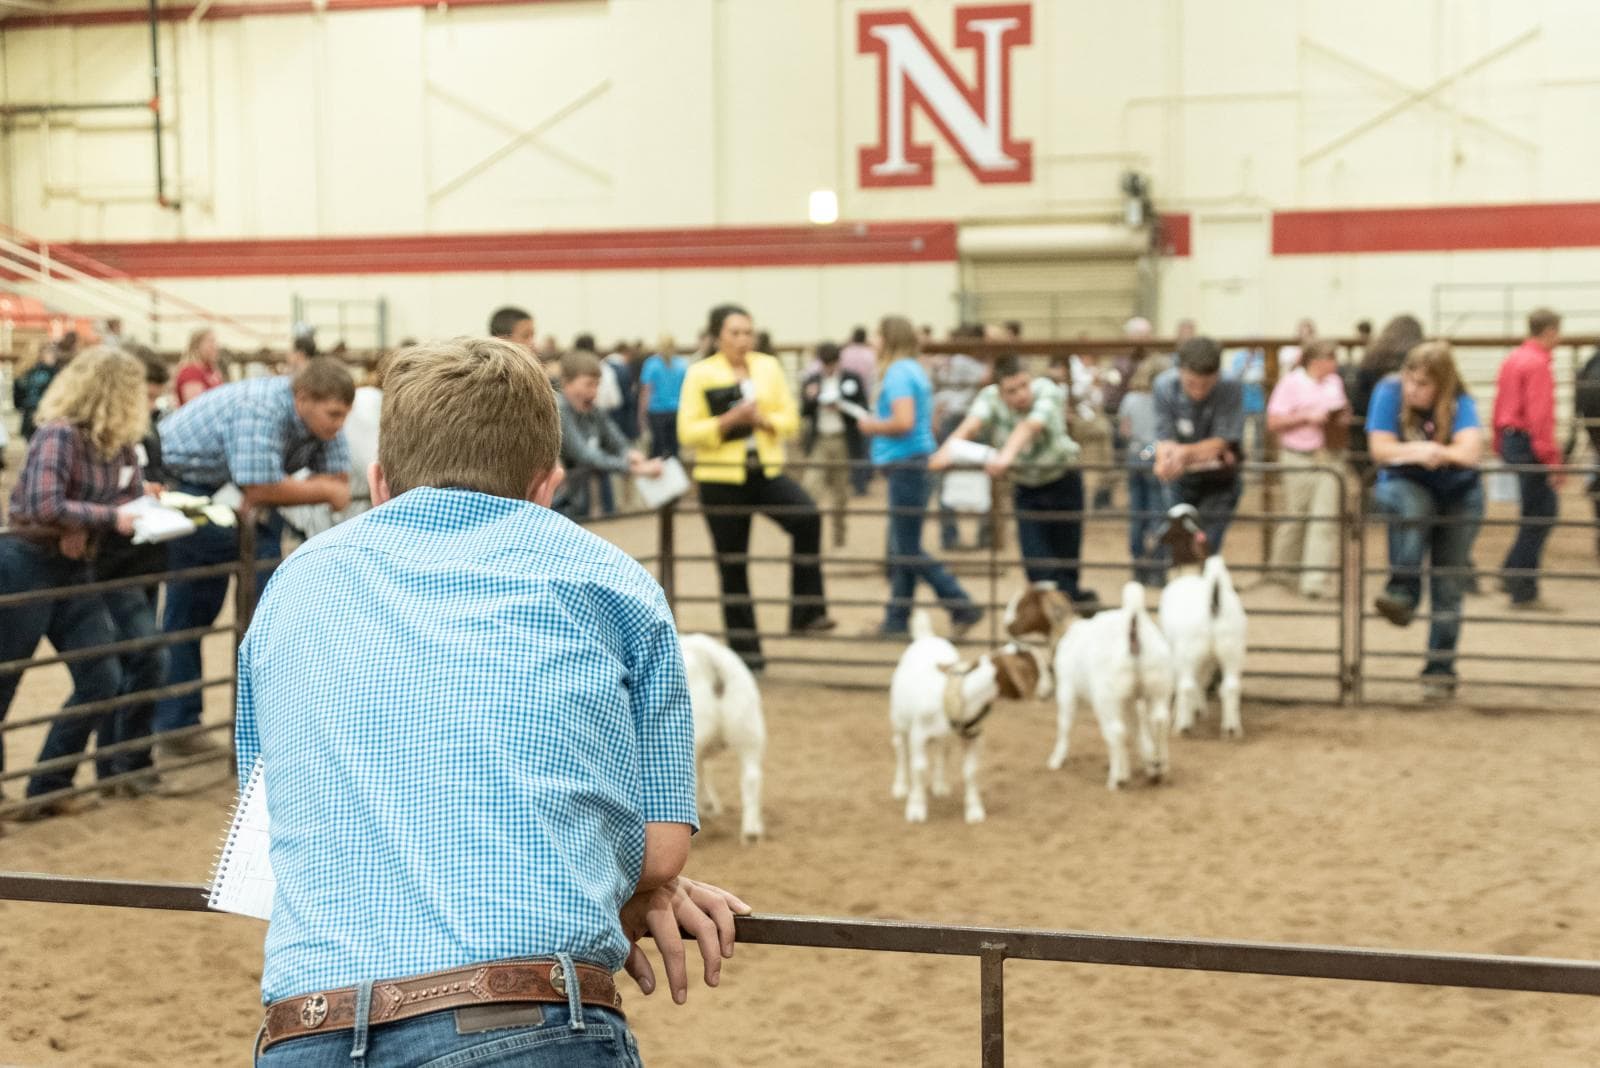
1302,405
1525,435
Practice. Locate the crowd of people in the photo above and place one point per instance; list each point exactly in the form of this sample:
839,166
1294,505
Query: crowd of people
108,425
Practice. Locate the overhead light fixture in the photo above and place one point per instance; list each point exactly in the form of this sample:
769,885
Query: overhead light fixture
824,207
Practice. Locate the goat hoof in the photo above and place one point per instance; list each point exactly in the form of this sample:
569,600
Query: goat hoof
916,815
751,838
976,815
1055,763
941,790
898,793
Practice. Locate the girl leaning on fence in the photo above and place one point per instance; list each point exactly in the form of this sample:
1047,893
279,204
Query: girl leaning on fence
1425,438
81,472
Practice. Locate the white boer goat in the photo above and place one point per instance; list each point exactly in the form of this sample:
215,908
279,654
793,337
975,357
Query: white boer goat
936,697
1204,621
727,715
1119,662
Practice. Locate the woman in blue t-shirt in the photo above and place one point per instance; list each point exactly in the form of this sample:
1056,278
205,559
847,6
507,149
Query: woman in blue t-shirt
902,441
1423,434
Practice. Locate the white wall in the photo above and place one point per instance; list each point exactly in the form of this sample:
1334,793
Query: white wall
695,113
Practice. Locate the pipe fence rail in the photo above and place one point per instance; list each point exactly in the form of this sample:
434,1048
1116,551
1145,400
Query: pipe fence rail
245,571
1329,643
993,946
1317,632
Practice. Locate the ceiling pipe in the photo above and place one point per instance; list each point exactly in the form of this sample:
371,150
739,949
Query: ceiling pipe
155,106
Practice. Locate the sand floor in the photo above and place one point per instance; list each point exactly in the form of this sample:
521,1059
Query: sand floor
1441,829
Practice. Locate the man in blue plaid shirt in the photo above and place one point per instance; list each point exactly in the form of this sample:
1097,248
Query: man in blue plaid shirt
478,752
278,440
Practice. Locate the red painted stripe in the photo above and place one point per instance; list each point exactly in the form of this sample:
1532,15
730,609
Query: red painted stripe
125,15
1447,229
570,250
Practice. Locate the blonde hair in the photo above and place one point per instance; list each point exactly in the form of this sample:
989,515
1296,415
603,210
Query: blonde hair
1434,361
475,413
101,392
191,352
1144,376
900,339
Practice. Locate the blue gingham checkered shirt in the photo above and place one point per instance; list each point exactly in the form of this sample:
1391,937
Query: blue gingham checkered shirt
247,433
467,708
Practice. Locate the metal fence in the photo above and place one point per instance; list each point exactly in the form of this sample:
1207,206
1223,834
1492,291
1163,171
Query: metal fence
244,570
993,946
1301,649
1309,641
1326,642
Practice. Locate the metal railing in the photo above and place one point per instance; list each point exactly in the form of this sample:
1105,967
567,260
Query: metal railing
993,946
245,570
1533,630
1311,640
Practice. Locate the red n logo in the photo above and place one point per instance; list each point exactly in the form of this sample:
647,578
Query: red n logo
976,120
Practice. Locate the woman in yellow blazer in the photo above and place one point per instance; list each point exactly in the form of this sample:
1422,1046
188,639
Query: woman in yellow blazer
736,412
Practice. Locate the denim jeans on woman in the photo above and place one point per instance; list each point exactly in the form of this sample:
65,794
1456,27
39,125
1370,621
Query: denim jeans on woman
547,1040
909,486
1439,532
70,624
133,615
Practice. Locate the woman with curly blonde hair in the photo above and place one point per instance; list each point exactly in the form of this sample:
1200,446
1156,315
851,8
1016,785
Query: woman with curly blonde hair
80,474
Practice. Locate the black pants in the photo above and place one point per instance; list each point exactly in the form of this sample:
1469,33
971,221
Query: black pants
1051,546
663,434
728,511
1540,507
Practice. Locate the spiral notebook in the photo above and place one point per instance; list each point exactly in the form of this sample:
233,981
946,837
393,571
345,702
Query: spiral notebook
242,881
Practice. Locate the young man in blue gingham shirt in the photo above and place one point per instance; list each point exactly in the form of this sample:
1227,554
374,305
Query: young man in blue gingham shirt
278,440
477,743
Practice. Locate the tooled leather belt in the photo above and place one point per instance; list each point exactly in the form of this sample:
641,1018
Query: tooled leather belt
393,1000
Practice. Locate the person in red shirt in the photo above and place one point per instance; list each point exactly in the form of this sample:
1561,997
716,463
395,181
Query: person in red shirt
1525,435
199,371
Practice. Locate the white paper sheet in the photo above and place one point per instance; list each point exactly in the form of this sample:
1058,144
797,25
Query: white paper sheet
243,882
672,483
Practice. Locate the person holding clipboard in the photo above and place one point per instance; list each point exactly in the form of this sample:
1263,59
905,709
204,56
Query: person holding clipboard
736,412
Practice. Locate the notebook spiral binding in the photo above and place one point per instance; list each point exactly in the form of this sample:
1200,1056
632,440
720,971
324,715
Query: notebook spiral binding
224,852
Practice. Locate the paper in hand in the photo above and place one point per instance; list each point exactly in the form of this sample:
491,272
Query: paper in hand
854,410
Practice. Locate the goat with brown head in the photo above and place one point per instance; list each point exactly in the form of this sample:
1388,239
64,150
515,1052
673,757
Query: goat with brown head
1040,613
1184,537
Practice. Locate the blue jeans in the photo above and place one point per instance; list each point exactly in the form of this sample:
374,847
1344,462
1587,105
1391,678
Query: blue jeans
1051,546
1146,509
133,615
909,486
547,1040
71,624
1442,532
1215,505
663,433
1539,507
197,603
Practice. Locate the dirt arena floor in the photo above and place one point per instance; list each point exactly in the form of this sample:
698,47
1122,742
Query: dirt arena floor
1445,829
